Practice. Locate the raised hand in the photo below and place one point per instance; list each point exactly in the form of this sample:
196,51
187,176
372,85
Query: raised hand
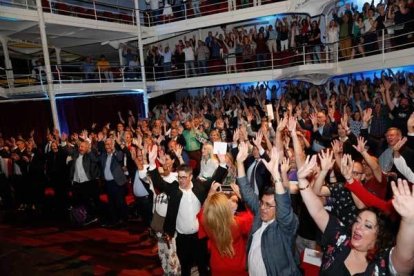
243,152
344,121
152,155
396,148
387,84
367,115
326,159
403,201
313,119
347,166
282,124
258,140
178,150
292,125
337,147
360,147
273,165
307,168
214,188
285,166
133,153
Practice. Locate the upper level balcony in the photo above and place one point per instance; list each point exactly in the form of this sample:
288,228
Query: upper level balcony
155,21
312,63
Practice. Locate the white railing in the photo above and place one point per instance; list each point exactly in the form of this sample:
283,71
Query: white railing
381,44
113,13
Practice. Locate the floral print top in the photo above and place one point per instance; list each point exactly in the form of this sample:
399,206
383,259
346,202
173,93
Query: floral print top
336,247
343,206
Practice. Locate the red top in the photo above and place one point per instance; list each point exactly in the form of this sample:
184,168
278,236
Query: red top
369,199
225,266
377,188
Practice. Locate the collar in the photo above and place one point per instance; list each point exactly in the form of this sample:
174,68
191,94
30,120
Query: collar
266,223
187,190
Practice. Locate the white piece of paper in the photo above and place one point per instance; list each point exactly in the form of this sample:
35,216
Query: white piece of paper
220,148
312,257
270,114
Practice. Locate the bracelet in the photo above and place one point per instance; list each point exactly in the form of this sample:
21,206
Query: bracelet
304,188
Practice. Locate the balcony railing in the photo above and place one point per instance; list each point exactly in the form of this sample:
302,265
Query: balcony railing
196,8
379,43
150,17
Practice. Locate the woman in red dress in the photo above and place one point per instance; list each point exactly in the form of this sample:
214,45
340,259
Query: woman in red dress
227,234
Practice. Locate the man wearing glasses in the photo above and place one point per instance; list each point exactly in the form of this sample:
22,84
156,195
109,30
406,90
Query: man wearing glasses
269,246
185,200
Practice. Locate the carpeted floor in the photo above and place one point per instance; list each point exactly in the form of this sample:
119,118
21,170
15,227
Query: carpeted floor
48,247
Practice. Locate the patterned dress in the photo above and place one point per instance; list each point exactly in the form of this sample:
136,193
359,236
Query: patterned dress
336,244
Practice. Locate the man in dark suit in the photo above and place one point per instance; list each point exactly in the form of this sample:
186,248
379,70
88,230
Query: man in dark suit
83,173
323,131
111,162
257,174
57,175
185,200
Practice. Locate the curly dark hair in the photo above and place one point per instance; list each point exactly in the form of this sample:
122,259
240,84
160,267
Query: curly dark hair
385,238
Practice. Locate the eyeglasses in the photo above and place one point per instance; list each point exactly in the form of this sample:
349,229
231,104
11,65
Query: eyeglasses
183,177
266,205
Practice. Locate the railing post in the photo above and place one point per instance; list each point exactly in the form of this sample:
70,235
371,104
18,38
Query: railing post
185,69
94,10
383,45
304,54
153,72
336,48
27,5
271,57
185,9
99,74
123,75
50,7
327,53
58,73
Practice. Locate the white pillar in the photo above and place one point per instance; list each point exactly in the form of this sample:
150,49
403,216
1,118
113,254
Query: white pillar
7,62
46,58
58,59
141,58
121,58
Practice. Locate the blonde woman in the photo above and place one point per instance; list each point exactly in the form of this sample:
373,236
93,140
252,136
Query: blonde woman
208,163
227,235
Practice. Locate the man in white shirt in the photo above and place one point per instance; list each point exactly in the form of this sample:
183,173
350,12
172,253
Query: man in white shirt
189,59
83,173
185,199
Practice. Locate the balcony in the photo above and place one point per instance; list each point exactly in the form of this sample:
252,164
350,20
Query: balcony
303,63
155,22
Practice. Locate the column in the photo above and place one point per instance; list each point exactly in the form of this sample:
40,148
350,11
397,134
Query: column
121,58
46,58
7,62
58,59
141,58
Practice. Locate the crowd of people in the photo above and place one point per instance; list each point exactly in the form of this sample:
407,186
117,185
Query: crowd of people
241,180
349,34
